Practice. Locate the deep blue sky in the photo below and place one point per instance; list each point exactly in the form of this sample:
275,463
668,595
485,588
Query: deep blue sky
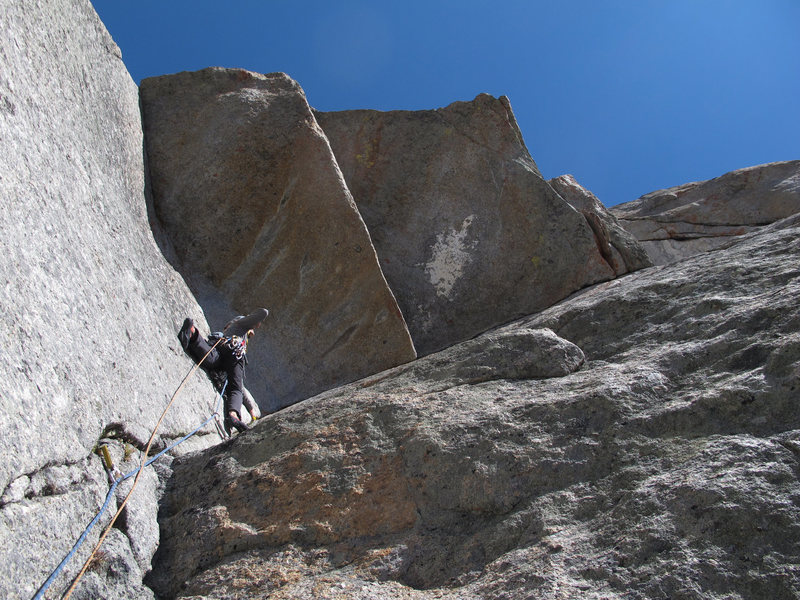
629,96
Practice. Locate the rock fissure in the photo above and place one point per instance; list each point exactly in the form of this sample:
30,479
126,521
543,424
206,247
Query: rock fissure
50,480
677,222
118,432
601,239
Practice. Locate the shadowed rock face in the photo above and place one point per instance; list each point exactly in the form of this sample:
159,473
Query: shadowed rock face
89,304
639,439
247,188
695,217
468,233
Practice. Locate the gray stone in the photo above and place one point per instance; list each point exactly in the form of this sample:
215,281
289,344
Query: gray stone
113,573
138,521
249,192
665,251
41,525
666,465
697,217
468,232
518,354
618,247
90,305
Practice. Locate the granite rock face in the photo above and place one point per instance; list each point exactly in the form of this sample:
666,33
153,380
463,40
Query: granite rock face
468,233
246,187
696,217
618,247
656,454
90,305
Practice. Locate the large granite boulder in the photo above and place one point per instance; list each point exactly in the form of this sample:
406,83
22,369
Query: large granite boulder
90,305
248,191
617,246
246,187
638,440
468,232
678,222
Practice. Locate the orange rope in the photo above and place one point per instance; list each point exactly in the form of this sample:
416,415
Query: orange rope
71,589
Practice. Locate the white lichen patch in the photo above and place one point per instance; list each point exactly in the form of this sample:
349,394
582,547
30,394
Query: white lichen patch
449,256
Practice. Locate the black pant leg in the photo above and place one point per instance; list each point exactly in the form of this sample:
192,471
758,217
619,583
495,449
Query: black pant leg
234,367
199,347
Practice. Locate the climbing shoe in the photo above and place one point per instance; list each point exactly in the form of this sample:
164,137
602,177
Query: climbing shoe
232,422
185,334
239,326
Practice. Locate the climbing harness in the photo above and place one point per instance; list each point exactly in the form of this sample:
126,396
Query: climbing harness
116,481
237,345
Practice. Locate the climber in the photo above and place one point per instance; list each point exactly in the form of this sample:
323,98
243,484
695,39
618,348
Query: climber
226,361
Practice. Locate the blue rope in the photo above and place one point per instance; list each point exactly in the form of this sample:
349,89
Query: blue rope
40,594
48,583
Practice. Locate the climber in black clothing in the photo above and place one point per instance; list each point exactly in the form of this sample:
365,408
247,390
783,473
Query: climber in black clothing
226,360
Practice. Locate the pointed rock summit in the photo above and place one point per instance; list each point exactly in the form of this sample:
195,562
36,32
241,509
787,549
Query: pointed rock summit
468,232
247,188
